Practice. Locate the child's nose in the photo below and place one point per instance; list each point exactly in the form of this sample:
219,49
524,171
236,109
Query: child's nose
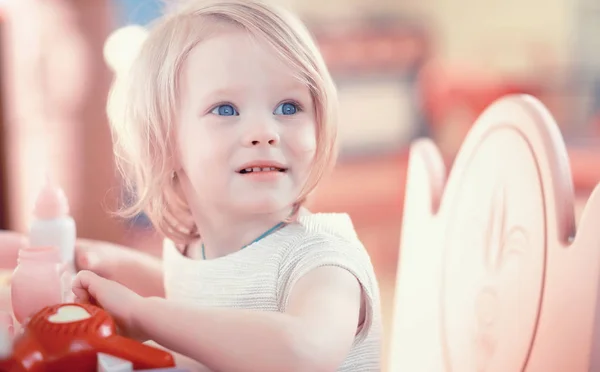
265,135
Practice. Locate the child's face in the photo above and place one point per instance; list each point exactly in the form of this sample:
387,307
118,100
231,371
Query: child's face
241,107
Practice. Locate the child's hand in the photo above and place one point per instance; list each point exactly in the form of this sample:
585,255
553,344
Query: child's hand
103,258
138,271
119,301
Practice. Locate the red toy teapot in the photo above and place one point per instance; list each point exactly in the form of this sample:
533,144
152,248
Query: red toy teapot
68,337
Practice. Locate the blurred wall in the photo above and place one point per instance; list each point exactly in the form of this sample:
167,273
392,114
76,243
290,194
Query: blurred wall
507,36
503,35
55,121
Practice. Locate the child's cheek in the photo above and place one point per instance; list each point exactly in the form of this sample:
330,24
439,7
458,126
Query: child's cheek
304,142
305,148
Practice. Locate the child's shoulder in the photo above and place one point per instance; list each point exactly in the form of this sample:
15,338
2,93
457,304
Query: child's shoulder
319,240
333,225
322,236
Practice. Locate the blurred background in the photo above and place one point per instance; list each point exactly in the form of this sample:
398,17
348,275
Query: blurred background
404,68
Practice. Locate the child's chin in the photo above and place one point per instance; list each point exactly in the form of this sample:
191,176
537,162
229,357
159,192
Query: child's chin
265,205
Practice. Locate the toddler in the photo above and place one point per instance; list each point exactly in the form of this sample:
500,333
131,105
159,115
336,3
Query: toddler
223,126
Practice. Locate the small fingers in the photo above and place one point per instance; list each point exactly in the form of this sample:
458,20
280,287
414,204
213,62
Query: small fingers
85,287
97,256
88,260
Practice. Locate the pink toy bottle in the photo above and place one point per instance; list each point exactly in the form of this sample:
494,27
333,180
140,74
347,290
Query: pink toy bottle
39,280
52,226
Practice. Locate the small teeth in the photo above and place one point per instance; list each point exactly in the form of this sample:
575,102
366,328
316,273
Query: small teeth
259,169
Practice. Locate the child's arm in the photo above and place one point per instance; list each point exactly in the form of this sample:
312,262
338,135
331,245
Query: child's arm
182,361
315,334
140,272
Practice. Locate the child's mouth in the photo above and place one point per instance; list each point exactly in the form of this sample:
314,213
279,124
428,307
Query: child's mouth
262,169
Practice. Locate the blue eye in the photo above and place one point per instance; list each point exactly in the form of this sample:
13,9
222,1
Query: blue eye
225,110
287,108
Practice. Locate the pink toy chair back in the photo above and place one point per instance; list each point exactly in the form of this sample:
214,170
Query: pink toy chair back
491,275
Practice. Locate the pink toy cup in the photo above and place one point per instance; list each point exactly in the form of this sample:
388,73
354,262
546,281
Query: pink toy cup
10,244
6,322
39,280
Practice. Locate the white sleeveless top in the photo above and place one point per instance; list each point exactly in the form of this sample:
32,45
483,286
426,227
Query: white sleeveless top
261,276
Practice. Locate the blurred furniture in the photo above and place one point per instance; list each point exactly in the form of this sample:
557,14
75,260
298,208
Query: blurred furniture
491,274
454,96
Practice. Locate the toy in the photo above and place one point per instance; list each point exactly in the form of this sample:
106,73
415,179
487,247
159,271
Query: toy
51,225
53,334
50,249
69,337
10,244
491,275
39,280
108,363
7,323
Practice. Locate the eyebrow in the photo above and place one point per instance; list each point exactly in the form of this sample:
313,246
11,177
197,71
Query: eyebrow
296,86
229,92
221,92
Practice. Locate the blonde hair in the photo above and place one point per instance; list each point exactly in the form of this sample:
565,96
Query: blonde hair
142,104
